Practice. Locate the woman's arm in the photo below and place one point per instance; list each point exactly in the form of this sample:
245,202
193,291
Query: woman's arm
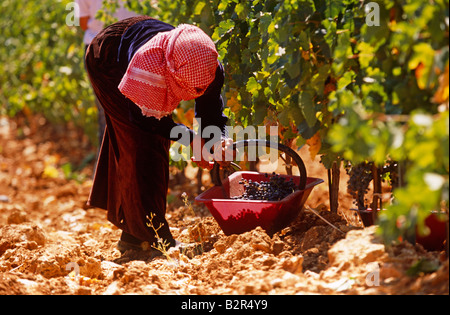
209,107
209,110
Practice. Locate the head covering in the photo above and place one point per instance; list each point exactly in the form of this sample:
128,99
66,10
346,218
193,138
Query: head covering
172,66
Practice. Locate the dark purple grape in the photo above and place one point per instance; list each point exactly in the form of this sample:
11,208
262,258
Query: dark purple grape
275,189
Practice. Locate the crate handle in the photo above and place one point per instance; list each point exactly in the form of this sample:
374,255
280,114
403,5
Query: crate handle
257,142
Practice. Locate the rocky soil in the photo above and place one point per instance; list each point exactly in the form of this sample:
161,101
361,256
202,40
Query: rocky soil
51,243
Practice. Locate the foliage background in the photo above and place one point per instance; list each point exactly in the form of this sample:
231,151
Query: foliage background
41,64
314,68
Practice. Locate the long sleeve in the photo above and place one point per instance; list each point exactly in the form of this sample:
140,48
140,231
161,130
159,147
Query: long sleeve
209,107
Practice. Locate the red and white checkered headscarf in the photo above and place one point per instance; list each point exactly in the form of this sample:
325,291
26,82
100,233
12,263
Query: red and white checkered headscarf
172,66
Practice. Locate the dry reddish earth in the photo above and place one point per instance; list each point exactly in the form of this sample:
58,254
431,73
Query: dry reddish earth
51,244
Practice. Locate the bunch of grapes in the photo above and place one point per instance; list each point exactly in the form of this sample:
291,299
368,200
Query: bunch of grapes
360,177
275,189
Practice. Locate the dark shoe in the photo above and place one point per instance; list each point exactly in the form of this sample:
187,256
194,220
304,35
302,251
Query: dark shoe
132,252
123,246
128,242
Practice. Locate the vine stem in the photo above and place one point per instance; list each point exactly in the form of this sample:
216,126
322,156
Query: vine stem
376,200
333,185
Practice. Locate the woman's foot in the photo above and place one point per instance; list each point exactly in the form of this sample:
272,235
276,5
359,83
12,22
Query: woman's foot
129,242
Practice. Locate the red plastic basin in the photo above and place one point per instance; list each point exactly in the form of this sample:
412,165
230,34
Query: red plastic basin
438,232
239,216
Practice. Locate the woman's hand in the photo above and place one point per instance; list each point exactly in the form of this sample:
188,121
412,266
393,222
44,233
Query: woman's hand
203,158
223,153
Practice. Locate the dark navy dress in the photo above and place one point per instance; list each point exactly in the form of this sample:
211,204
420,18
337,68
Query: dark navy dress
132,174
